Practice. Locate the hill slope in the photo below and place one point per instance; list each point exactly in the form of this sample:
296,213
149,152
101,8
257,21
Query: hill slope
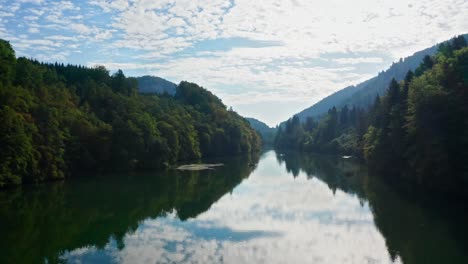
267,133
364,93
416,132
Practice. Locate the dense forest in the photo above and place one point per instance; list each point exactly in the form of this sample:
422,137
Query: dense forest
417,131
58,120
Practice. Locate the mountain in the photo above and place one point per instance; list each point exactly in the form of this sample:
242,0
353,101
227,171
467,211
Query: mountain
267,133
363,94
155,85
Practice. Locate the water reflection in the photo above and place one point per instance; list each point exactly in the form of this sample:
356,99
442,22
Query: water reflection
270,218
39,223
417,228
338,173
291,208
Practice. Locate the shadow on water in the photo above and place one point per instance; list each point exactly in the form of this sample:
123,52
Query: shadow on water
417,228
39,223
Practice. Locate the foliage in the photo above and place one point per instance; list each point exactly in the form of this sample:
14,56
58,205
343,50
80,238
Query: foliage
60,119
338,132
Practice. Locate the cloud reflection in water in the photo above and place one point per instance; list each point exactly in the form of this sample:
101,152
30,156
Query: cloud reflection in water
269,218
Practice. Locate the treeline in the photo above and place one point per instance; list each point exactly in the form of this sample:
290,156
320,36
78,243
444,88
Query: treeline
58,120
337,132
417,131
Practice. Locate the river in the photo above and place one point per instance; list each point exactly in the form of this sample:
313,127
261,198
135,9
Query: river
289,208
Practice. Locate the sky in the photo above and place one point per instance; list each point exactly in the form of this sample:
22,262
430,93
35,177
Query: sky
266,59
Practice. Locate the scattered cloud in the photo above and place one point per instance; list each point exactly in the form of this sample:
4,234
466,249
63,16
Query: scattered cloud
33,30
168,38
358,60
37,2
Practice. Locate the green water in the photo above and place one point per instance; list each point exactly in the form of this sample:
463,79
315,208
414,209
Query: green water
290,208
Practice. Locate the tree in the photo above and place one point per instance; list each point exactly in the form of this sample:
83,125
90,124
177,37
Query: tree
344,116
309,124
18,158
459,42
7,62
426,64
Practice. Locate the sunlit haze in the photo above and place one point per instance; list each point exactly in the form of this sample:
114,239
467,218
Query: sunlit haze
266,59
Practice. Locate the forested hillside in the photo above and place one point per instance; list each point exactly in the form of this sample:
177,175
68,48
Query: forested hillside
363,94
267,133
58,120
417,131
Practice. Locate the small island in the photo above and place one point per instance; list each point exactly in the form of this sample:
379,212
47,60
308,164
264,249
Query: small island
199,167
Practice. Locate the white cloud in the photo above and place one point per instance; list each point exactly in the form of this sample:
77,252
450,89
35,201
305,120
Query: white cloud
14,7
38,12
31,18
61,38
40,42
37,2
33,30
358,60
108,6
81,28
96,34
6,14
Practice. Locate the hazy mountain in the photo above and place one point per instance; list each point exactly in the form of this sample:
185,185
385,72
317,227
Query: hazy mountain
155,85
267,133
364,93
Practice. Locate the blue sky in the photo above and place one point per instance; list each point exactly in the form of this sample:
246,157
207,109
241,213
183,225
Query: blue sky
266,59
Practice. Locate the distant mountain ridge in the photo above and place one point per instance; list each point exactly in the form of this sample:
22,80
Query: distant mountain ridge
363,94
267,133
155,85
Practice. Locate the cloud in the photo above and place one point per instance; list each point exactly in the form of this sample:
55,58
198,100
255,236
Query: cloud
358,60
38,12
304,33
33,30
108,6
81,28
37,2
61,38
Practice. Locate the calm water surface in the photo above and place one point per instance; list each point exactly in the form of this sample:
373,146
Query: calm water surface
290,208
